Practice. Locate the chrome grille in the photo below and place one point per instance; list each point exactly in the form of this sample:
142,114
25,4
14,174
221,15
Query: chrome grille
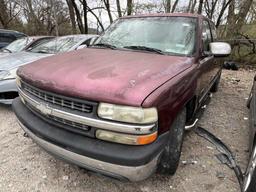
69,123
58,100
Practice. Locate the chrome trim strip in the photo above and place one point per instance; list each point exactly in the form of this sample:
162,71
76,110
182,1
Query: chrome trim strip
107,125
120,171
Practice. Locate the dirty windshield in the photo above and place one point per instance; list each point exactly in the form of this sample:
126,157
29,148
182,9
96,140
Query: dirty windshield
17,45
168,35
57,45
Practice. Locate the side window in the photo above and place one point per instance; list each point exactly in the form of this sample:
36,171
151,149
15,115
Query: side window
207,37
6,39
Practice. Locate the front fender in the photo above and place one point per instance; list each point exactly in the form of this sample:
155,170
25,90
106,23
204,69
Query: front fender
172,96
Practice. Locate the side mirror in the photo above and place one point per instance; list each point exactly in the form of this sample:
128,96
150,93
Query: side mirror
220,49
81,47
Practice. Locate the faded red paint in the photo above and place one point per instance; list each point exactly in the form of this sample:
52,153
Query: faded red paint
114,76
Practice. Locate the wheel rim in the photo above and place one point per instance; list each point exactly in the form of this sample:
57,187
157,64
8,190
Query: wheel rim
250,170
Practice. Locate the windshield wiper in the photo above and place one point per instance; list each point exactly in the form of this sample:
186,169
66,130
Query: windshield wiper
104,45
41,51
5,49
144,48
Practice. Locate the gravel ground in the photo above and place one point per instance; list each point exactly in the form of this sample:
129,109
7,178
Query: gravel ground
25,167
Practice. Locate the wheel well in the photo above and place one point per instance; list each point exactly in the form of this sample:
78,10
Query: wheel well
190,106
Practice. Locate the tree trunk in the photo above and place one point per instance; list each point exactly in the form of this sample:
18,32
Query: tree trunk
72,16
200,7
129,7
168,6
3,14
78,17
214,3
189,6
231,20
86,30
193,7
55,17
245,7
107,5
175,5
222,11
118,8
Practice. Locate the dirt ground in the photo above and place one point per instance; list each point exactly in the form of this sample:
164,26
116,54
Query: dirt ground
24,167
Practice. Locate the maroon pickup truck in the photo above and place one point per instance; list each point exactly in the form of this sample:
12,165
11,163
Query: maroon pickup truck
121,106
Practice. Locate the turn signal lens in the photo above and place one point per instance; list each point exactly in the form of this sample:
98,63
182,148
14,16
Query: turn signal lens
125,138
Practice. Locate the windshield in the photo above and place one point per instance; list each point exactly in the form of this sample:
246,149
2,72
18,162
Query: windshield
17,45
57,45
171,35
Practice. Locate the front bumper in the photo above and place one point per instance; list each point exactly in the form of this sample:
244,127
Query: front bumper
7,86
124,162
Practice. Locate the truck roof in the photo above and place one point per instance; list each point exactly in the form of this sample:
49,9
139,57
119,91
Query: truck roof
12,32
167,15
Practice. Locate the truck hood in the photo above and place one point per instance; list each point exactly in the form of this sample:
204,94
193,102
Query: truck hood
113,76
15,60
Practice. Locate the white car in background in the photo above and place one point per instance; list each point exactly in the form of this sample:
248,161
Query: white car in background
9,64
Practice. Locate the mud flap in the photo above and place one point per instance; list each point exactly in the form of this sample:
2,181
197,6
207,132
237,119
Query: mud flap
226,156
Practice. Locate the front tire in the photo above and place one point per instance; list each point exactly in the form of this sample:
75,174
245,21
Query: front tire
250,176
170,158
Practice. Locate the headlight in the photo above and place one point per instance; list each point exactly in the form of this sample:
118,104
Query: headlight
127,114
8,74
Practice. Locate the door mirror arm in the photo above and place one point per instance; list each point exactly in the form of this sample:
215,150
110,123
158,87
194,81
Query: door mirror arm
206,54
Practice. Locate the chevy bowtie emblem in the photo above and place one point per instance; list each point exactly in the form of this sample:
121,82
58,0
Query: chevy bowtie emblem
44,109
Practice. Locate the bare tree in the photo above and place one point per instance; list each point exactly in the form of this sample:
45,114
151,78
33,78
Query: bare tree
72,16
200,7
175,5
167,5
192,10
78,16
225,4
96,17
210,7
231,19
107,5
118,8
129,7
84,3
189,6
4,17
244,9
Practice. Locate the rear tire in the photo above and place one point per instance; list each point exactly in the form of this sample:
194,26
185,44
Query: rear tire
170,158
250,176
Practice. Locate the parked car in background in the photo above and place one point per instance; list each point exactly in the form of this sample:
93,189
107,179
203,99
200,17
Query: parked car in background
121,106
8,36
250,175
23,44
9,64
